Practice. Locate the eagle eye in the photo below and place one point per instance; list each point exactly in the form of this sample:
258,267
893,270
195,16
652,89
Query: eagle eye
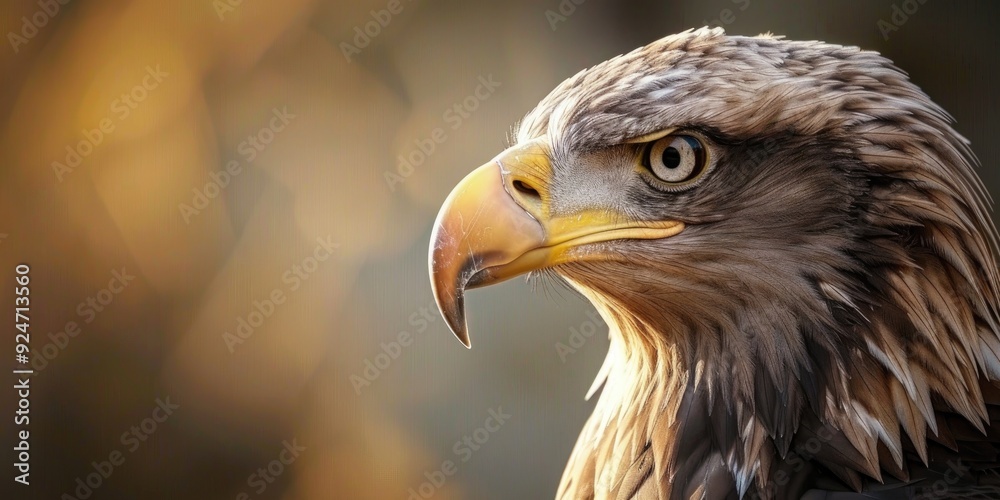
675,159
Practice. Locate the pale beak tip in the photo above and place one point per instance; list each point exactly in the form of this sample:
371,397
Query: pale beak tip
463,337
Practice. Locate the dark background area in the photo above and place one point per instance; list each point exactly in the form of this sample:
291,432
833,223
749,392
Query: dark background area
298,375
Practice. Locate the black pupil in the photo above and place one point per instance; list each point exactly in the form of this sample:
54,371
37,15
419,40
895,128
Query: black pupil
671,158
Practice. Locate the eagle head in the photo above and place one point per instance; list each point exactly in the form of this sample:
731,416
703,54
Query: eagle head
790,245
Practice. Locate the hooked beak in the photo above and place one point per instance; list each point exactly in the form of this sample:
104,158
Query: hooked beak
496,224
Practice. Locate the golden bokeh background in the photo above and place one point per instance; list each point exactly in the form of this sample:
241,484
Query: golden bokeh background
211,199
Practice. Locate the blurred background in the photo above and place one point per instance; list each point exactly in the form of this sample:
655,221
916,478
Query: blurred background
226,205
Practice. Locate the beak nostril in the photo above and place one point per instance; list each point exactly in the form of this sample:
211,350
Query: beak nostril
524,188
526,195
